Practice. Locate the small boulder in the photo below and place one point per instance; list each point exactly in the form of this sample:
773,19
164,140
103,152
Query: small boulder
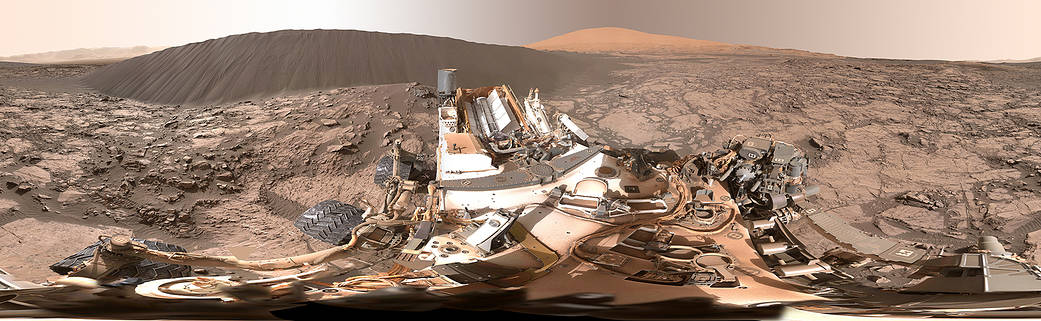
816,143
225,176
201,165
186,184
336,148
916,197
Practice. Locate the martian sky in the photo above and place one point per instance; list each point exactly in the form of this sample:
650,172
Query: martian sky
926,29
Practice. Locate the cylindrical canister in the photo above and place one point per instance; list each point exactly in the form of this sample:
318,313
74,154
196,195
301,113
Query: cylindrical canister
771,248
802,269
763,224
446,82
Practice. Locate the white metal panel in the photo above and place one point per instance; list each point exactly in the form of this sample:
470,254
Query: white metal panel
499,113
516,197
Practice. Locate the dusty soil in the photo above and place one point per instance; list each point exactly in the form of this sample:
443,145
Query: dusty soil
931,152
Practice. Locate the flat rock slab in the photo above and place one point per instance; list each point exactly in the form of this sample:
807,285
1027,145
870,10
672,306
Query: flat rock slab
918,218
34,174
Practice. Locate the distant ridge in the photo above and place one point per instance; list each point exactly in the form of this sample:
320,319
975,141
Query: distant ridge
83,55
628,41
611,39
262,64
1015,61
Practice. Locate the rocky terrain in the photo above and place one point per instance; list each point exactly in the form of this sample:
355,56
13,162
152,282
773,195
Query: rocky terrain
79,164
935,153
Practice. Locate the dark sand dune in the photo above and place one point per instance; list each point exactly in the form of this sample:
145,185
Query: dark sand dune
5,64
262,64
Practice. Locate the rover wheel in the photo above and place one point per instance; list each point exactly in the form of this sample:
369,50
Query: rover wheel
384,170
144,270
330,221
